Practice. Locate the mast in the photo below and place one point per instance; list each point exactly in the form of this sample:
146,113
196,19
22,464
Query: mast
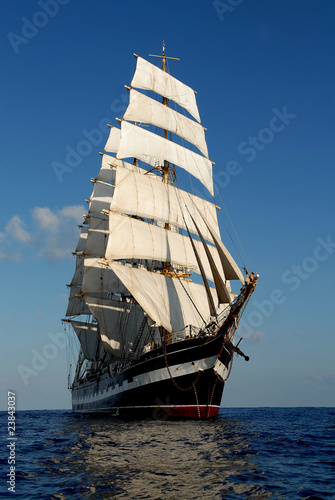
166,168
166,179
166,171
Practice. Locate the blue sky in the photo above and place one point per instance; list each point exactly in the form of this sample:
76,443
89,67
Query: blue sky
264,75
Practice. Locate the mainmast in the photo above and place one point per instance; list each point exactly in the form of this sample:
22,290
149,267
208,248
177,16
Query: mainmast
166,168
166,338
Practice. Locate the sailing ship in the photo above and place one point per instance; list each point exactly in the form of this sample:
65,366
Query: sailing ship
151,298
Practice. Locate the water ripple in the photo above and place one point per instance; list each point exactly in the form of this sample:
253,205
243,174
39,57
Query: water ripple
258,453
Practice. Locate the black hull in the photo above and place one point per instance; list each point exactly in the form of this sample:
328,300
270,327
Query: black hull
184,380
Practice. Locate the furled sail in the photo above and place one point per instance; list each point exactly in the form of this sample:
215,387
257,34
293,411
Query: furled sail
150,77
145,145
144,109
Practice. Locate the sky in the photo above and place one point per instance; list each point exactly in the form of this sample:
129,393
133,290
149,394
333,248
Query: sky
265,80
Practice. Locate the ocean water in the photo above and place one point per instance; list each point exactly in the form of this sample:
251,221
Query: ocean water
286,453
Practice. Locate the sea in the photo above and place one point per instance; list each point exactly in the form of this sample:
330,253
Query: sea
277,453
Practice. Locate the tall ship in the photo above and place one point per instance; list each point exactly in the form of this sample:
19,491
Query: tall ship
151,299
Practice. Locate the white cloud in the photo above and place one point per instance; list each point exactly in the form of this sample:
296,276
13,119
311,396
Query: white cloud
53,233
46,219
3,237
321,379
330,378
51,250
74,212
9,256
256,337
16,231
316,376
298,333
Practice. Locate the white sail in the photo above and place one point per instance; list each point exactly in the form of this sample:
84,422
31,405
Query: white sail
119,323
144,109
140,195
99,278
108,164
78,274
97,238
100,198
230,267
89,338
144,145
210,300
82,238
113,140
218,278
167,300
76,305
150,77
106,172
141,240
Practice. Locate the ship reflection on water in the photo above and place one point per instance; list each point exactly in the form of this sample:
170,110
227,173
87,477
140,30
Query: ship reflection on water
253,453
159,459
